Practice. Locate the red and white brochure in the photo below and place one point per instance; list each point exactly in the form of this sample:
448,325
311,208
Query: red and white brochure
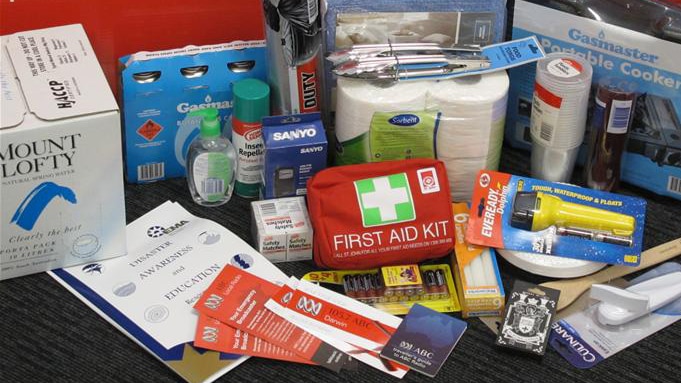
237,298
214,335
355,328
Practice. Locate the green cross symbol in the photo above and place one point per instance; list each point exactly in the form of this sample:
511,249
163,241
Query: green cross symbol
385,200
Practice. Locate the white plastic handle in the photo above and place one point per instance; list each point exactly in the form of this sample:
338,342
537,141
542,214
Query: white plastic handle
620,297
660,291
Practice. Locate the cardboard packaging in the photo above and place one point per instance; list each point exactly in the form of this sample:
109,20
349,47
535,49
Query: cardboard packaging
652,156
481,292
281,229
160,88
60,154
552,218
116,29
295,150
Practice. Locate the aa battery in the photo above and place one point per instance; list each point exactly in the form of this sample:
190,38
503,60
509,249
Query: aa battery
595,236
431,283
349,286
442,289
361,288
380,288
371,289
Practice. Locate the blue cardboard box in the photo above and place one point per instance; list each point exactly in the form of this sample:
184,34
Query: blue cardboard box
652,157
160,88
295,150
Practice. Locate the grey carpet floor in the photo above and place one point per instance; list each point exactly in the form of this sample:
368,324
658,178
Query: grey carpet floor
47,335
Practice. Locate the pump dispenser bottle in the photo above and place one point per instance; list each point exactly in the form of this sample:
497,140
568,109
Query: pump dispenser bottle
211,162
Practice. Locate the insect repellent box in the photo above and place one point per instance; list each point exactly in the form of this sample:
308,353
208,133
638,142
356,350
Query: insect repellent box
61,191
160,88
652,159
295,150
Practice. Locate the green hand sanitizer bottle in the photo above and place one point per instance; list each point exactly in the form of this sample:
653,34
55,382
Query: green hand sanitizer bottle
211,162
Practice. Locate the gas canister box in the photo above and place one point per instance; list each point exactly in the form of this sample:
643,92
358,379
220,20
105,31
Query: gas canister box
295,150
159,89
61,170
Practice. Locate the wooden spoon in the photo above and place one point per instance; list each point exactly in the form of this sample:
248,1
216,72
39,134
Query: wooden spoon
571,289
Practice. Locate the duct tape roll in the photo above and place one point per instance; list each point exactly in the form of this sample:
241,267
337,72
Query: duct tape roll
550,265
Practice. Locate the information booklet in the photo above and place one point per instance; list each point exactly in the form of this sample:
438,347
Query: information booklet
172,258
424,340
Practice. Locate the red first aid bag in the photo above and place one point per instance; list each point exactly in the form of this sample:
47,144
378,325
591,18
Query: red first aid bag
379,214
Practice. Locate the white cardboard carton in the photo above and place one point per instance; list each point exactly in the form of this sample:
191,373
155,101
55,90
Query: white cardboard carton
281,229
61,190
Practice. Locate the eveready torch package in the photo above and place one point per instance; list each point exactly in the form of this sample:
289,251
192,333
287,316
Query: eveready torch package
378,214
525,214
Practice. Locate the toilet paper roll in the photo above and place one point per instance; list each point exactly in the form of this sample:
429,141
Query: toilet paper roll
358,100
469,132
459,172
463,93
472,113
471,129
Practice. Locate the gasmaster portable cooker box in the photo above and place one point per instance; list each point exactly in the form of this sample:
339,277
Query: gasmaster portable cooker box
60,154
295,150
620,47
160,88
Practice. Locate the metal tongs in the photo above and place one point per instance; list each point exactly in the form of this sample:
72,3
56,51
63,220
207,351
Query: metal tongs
406,61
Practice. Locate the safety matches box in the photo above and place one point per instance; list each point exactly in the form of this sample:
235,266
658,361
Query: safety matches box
61,191
281,229
530,215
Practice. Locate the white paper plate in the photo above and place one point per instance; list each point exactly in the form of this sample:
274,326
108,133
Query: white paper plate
550,265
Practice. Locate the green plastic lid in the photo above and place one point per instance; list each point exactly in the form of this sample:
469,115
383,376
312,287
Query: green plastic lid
210,126
251,100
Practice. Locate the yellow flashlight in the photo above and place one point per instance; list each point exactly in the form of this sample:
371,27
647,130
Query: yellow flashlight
537,211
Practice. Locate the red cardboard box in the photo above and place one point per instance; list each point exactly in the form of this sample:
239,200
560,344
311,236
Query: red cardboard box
119,27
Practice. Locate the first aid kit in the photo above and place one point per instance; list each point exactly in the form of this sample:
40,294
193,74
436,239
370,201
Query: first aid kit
380,214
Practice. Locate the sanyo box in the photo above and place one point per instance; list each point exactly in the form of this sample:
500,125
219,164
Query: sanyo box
160,88
61,195
652,159
295,150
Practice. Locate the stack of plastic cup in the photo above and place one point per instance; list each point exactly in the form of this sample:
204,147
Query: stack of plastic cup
559,110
